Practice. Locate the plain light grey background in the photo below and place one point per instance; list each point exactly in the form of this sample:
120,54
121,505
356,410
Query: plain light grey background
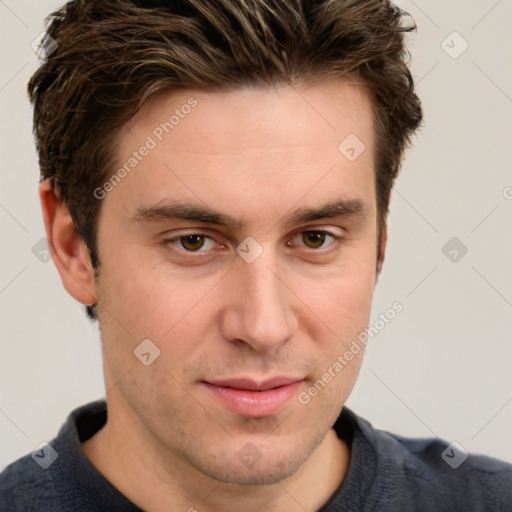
441,367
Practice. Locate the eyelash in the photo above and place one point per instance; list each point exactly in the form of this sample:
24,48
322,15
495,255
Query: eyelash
179,237
335,238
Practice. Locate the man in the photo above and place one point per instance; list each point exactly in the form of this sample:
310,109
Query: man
215,186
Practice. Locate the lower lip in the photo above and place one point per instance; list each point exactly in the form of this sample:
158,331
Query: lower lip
255,404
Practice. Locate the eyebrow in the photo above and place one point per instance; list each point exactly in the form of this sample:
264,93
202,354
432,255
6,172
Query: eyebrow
164,212
338,208
184,211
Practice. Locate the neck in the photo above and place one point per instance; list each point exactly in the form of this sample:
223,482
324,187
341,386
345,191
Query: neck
156,480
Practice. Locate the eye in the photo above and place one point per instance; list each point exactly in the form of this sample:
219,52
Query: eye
314,239
193,242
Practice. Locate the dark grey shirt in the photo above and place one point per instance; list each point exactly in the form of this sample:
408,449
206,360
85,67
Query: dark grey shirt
386,473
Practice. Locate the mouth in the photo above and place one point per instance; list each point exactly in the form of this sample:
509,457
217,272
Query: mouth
255,399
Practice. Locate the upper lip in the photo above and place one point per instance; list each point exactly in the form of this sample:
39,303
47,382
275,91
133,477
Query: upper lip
253,385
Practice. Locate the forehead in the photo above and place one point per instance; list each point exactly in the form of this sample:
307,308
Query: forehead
236,119
279,139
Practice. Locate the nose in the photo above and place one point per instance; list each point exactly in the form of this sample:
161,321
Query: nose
260,310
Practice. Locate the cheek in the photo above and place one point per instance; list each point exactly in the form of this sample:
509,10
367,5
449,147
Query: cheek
342,306
351,303
341,299
345,309
155,300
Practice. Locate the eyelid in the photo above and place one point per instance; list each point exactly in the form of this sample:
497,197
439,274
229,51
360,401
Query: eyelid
191,232
319,229
207,234
171,240
329,230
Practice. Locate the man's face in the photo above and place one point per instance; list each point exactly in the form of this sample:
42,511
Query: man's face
258,163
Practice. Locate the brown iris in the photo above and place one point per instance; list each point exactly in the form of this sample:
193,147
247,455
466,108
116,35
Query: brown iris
313,239
192,242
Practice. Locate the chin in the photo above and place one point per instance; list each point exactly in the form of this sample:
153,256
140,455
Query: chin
269,474
267,467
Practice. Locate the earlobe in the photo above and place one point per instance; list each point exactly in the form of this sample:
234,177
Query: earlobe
68,250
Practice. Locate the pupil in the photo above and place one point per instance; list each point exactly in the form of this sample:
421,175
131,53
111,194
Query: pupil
314,239
193,242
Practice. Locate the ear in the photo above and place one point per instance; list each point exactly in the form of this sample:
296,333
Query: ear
68,250
382,247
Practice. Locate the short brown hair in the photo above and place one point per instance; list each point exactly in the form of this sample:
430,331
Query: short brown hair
112,55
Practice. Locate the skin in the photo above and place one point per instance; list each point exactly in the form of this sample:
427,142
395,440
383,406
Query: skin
257,155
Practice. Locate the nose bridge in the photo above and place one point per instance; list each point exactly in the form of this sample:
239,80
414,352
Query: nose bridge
264,318
264,289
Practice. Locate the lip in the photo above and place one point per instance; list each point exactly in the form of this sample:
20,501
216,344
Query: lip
252,385
250,398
